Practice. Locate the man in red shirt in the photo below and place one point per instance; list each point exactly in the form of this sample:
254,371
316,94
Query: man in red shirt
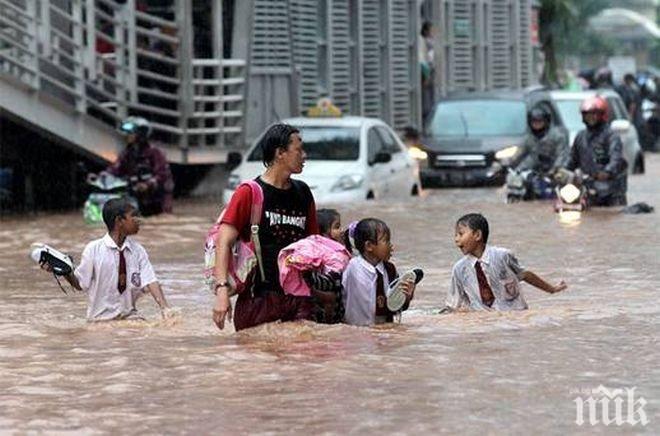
289,214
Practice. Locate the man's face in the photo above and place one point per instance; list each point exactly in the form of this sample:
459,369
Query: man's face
131,138
538,125
590,118
294,156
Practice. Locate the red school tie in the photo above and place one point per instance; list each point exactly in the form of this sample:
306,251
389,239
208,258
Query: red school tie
486,292
121,281
381,300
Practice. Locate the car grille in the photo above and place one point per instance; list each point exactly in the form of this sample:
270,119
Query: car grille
460,161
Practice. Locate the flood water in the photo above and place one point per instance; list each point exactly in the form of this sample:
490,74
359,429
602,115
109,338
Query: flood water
470,373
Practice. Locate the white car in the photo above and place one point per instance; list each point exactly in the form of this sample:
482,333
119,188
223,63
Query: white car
568,104
348,159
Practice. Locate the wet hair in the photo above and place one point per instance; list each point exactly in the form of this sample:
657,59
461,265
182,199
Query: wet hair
369,230
325,218
115,208
426,28
475,221
277,136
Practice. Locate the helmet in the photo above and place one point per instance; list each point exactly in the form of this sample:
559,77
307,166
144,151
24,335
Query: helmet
136,126
603,77
596,105
538,114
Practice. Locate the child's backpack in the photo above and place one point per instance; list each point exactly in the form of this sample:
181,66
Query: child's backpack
245,256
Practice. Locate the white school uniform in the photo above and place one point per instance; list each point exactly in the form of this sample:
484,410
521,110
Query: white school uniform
98,274
502,271
359,291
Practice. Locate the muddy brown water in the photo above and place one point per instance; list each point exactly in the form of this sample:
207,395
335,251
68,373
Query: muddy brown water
474,373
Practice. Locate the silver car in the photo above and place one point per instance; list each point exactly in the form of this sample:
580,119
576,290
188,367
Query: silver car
568,104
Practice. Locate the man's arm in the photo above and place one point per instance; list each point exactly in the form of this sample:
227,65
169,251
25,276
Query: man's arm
162,175
573,160
529,161
538,282
227,235
617,162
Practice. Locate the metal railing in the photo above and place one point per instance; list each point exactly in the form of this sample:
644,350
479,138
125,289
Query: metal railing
109,60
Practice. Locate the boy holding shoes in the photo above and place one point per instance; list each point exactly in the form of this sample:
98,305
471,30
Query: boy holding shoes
115,270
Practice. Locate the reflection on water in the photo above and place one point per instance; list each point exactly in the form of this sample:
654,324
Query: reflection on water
507,373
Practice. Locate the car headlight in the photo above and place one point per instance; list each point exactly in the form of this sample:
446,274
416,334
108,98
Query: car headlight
506,153
347,183
417,153
233,181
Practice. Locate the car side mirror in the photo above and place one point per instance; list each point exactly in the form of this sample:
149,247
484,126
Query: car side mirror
234,159
381,157
620,125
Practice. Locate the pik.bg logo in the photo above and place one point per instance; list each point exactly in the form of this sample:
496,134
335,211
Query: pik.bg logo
610,406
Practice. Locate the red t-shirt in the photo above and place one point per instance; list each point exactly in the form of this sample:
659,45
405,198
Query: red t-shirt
288,215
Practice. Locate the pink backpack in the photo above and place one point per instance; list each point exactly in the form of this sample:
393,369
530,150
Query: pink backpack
245,256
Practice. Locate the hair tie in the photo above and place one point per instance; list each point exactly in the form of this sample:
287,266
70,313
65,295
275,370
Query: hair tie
351,229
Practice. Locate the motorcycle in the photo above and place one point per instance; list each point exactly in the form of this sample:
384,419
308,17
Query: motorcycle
571,201
104,187
525,185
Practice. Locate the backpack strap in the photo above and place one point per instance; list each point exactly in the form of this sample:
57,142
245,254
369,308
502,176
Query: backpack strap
255,219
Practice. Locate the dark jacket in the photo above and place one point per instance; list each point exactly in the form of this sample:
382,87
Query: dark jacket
600,149
546,153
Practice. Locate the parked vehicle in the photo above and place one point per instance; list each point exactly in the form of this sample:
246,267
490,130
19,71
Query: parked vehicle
473,137
104,187
348,159
568,104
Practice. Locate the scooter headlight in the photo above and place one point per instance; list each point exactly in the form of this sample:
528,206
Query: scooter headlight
569,193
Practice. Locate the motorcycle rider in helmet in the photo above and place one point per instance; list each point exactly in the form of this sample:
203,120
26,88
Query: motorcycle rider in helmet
145,167
546,149
598,153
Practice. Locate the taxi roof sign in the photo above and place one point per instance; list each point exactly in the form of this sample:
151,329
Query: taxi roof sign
324,108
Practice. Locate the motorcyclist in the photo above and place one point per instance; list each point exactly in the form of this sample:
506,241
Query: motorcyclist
145,167
598,153
545,148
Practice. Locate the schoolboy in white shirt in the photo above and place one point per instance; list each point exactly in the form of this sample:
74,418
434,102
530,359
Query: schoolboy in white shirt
115,270
488,277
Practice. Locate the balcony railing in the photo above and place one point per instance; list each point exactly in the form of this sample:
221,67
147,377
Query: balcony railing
109,60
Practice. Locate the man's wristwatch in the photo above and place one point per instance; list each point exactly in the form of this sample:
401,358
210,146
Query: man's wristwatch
224,284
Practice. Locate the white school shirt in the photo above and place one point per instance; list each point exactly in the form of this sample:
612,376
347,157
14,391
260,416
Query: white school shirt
502,272
359,291
98,274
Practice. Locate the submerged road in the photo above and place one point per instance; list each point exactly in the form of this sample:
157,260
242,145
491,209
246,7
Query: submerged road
471,373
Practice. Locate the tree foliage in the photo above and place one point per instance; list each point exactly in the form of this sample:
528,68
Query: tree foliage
563,30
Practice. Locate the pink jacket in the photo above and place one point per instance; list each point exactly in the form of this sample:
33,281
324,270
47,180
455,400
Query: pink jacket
315,252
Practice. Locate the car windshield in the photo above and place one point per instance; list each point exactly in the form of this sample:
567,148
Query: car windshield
326,143
479,118
569,111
